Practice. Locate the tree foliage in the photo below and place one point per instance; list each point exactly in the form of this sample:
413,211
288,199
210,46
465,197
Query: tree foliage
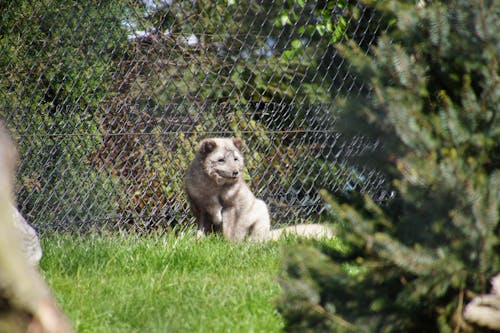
412,264
57,59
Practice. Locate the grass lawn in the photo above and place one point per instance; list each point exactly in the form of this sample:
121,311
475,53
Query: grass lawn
152,284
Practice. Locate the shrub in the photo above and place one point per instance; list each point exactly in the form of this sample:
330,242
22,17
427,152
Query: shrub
412,264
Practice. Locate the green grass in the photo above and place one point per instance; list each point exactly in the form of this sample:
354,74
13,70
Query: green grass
164,284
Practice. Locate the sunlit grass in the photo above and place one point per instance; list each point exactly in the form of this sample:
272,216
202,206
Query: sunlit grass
122,283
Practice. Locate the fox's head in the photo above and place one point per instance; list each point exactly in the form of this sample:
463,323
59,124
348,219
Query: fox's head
222,159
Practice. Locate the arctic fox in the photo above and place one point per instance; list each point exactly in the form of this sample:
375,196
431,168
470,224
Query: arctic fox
222,202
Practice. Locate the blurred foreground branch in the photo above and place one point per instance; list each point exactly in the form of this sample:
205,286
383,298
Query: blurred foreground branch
484,310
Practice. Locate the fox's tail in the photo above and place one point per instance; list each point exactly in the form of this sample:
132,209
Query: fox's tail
315,231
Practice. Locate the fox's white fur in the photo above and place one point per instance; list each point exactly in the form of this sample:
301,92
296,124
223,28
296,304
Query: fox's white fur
222,202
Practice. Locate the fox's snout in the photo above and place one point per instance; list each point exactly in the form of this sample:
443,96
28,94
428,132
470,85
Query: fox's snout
229,173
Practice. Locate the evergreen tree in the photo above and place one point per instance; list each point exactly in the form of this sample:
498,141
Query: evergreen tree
411,265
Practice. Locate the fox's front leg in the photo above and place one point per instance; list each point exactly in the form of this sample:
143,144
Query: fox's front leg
215,212
207,225
261,222
209,219
233,229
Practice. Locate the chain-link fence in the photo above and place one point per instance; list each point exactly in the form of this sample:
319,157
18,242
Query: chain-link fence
108,100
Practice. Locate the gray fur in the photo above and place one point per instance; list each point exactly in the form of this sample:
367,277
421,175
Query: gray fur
219,197
221,201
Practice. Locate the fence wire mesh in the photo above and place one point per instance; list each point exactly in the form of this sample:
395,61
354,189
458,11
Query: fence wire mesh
108,100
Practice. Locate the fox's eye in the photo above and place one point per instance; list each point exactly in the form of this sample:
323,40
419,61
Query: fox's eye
221,160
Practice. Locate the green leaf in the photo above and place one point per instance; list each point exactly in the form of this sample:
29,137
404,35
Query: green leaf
321,28
285,19
296,44
339,30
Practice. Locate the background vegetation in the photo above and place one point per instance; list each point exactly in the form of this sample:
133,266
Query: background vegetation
57,59
108,102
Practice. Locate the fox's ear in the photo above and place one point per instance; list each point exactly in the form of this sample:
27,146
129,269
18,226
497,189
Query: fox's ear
238,143
206,147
